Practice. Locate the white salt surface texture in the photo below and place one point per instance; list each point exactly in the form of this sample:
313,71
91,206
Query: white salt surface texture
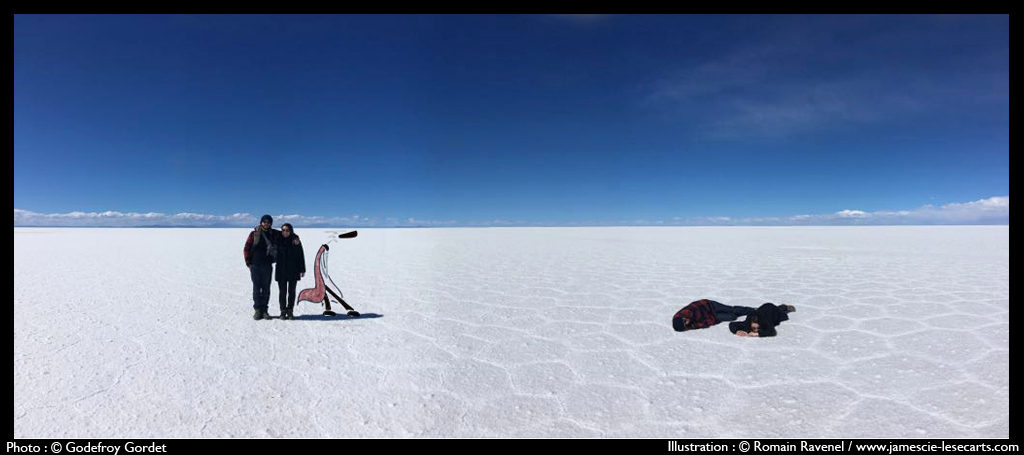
516,332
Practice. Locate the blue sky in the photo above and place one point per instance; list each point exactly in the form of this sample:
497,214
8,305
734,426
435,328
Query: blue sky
498,120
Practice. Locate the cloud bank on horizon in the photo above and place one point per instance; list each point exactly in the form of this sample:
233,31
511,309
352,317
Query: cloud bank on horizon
993,210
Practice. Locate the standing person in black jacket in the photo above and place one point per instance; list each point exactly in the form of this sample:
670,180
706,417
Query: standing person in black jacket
261,263
291,267
763,321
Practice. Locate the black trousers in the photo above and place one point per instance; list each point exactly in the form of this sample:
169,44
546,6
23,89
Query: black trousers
261,275
730,313
286,288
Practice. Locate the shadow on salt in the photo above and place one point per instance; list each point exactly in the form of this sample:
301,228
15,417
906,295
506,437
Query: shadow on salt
339,317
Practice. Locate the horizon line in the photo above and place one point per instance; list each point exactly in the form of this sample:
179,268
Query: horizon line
982,212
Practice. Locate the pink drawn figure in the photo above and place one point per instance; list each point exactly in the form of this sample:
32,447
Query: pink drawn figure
319,293
316,294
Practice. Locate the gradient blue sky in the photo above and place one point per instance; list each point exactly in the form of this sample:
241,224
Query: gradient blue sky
530,119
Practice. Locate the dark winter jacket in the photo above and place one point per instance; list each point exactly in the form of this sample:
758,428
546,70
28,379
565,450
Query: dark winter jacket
291,261
699,313
255,250
768,316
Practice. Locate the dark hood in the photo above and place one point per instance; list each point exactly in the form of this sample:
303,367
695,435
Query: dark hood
743,325
739,325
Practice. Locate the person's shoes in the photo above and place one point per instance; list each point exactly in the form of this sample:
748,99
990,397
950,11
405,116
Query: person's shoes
789,308
258,315
289,316
266,315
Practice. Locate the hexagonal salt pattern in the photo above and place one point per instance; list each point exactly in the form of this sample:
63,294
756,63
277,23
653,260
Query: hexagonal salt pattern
517,332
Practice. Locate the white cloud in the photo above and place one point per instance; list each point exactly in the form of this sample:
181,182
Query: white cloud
118,219
183,219
851,214
993,210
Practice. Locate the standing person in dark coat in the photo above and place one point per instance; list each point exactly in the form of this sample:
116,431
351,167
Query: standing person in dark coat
291,267
706,313
261,264
763,321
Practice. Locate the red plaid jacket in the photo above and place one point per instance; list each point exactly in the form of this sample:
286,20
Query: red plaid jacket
699,313
248,249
